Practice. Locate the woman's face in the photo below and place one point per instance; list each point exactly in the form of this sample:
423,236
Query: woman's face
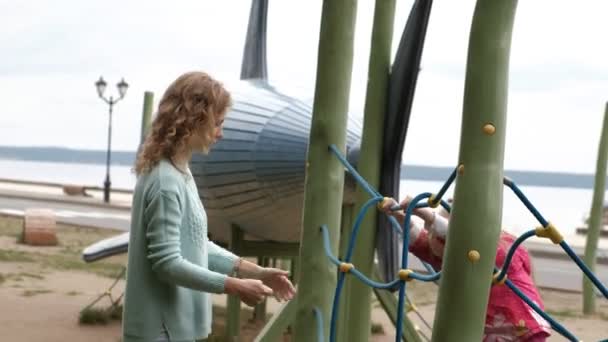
197,141
218,131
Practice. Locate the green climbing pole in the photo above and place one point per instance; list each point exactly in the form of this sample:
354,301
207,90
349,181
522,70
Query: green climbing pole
596,217
476,217
325,175
357,294
146,118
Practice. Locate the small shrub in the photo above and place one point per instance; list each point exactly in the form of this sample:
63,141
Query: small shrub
94,316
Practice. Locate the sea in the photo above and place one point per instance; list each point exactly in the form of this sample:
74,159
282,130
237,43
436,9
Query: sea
566,208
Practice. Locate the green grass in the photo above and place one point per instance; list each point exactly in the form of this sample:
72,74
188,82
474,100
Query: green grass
15,256
377,329
100,316
72,240
30,275
31,293
18,277
11,226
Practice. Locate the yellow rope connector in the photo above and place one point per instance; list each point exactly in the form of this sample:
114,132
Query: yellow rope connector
383,202
550,232
495,281
345,267
489,129
433,203
473,256
461,169
404,274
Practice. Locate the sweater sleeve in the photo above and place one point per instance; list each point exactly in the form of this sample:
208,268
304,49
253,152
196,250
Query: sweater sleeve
164,252
220,259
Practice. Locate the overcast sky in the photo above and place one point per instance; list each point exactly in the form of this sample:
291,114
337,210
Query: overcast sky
53,52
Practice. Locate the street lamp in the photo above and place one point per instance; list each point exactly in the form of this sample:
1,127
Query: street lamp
122,90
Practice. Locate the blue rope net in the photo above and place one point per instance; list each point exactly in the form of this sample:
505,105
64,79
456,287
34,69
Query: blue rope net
547,230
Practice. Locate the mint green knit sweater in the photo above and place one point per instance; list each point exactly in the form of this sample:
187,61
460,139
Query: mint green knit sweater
172,267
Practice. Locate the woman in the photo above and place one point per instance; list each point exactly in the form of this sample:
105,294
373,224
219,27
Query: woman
173,267
508,317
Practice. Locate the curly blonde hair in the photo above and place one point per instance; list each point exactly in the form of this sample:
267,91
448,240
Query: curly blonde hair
191,105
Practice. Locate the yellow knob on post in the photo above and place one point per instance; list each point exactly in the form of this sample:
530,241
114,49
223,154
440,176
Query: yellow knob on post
473,256
489,129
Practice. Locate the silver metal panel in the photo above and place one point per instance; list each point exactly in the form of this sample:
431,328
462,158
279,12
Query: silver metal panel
254,177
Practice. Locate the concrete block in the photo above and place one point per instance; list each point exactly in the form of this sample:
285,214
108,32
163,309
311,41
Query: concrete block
39,227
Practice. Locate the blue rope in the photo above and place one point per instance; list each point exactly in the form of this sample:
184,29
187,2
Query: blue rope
404,256
507,263
598,284
327,247
584,268
447,184
554,324
354,271
335,308
370,190
508,182
319,318
369,282
399,324
357,225
426,277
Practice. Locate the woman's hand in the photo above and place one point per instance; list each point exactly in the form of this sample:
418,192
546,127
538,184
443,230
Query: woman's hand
250,291
274,278
279,282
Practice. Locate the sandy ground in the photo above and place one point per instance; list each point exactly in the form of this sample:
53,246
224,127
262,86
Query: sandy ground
41,296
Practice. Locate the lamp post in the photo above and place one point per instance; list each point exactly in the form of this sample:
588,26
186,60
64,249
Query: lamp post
122,90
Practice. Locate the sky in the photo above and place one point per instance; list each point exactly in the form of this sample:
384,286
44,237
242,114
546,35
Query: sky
53,52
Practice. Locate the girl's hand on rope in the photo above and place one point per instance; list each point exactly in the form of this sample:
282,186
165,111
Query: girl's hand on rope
278,281
435,224
386,205
250,291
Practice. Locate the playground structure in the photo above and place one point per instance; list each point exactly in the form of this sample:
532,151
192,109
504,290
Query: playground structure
276,156
471,245
499,278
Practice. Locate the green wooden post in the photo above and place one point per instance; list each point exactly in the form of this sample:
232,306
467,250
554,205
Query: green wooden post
259,311
278,323
294,270
146,120
475,223
233,305
358,295
596,220
324,183
345,231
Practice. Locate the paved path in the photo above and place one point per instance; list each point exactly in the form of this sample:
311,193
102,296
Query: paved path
76,214
552,267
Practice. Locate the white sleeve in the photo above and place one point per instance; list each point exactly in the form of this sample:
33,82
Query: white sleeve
439,226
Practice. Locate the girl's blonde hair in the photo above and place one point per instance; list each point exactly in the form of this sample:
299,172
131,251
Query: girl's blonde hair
191,105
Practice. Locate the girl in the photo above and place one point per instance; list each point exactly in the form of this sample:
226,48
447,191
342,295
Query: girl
508,317
172,266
